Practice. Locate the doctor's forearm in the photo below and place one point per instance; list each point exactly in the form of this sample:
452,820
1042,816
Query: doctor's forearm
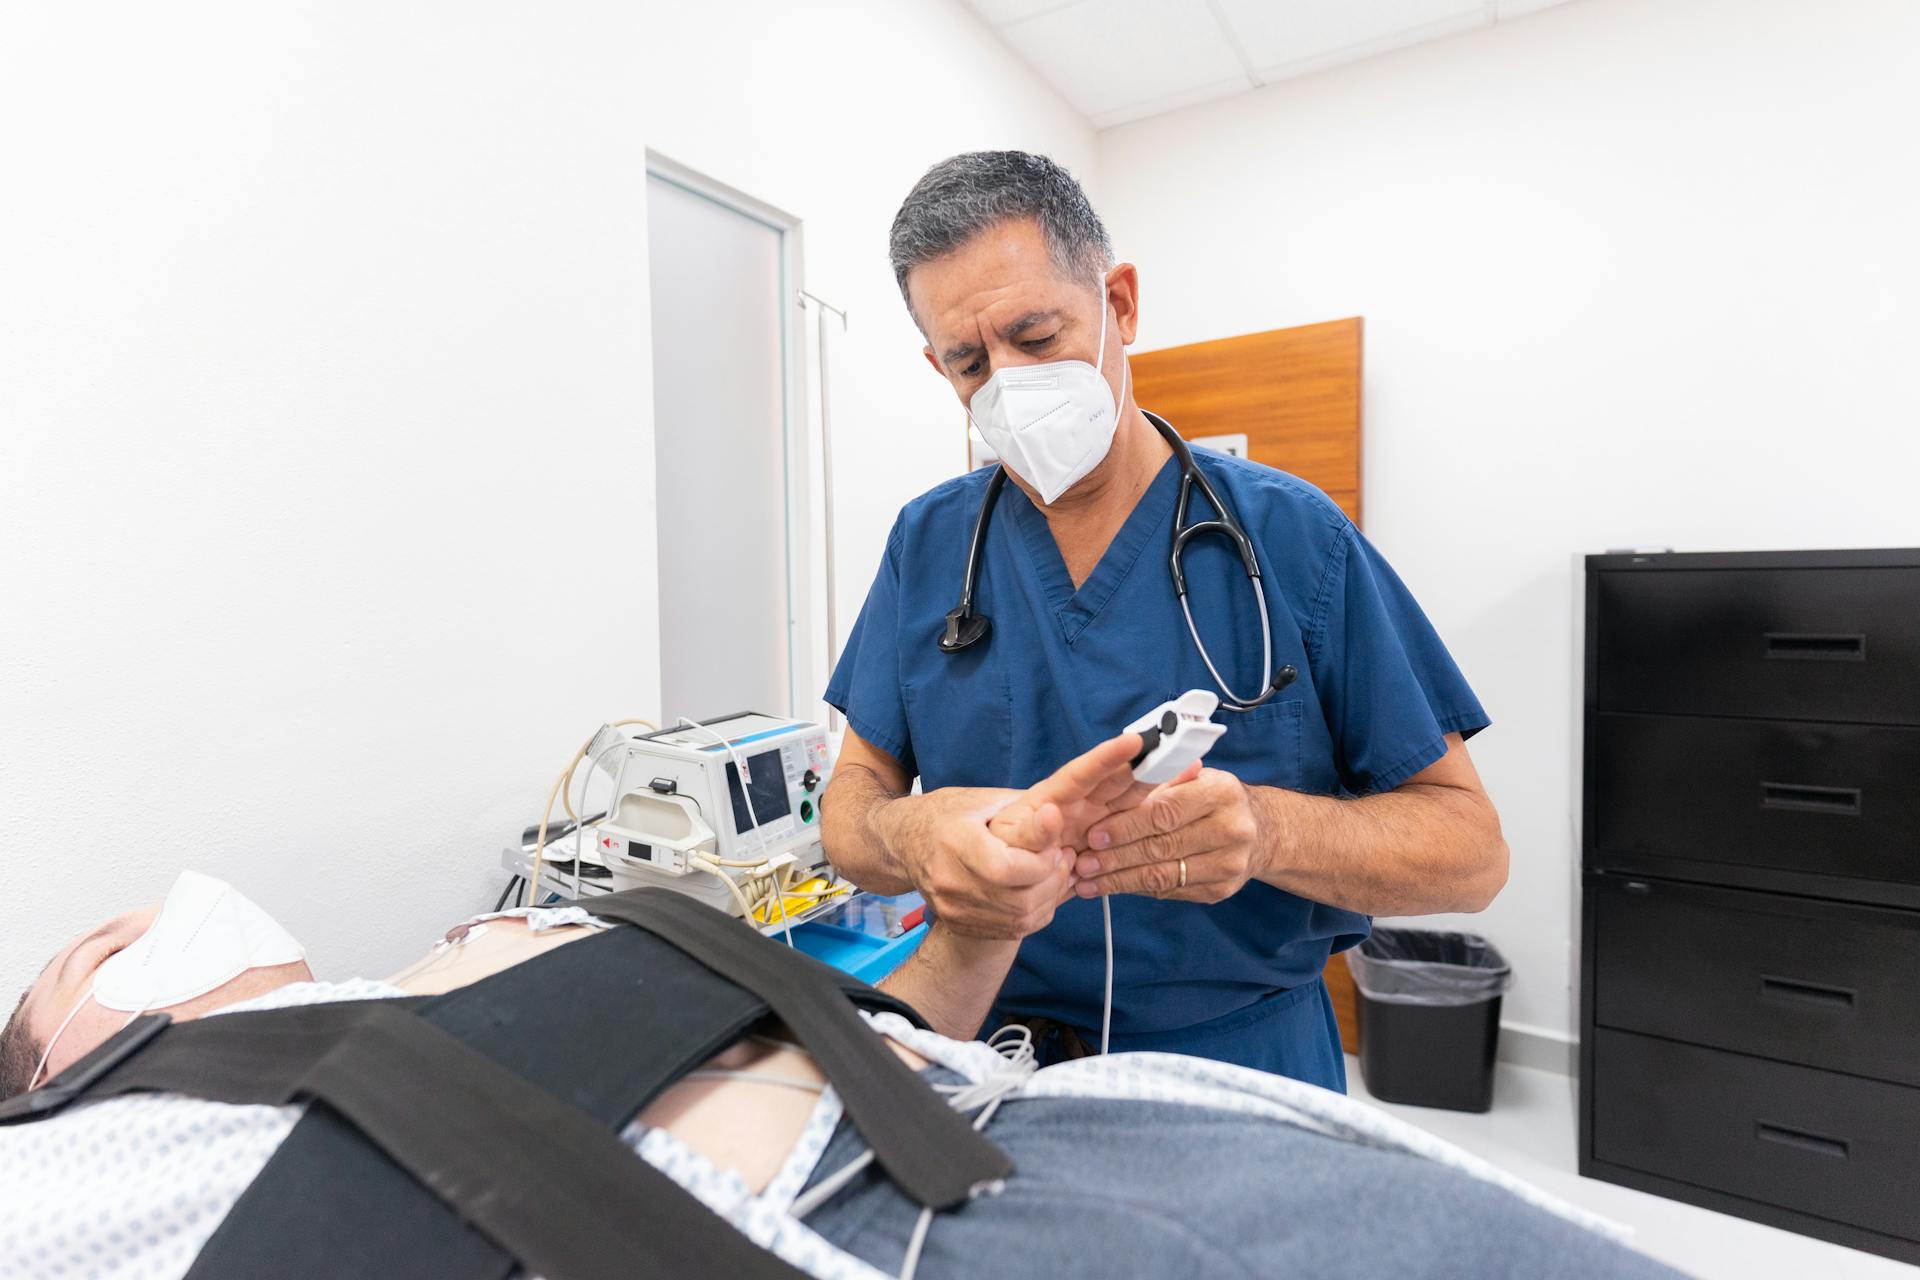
852,836
1411,851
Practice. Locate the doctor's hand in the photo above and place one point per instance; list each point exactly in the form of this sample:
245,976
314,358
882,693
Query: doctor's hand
1207,824
996,863
978,885
1084,791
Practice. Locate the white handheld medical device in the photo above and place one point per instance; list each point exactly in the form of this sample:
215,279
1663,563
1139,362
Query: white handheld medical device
1173,735
736,797
1176,734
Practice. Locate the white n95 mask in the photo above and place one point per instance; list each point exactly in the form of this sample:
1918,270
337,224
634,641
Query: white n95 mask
1051,423
206,935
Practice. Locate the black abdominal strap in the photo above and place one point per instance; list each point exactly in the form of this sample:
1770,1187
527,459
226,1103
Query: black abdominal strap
462,1134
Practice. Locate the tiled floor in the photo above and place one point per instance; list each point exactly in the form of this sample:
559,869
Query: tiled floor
1530,1132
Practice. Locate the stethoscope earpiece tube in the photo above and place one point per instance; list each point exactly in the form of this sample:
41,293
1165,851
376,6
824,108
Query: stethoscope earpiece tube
965,628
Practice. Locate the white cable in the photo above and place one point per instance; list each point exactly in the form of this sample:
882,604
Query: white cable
825,1189
757,1077
1001,1084
912,1263
988,1093
780,894
1019,1049
760,835
1106,1011
740,899
580,818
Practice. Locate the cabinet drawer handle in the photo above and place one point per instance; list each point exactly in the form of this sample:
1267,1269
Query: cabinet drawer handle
1800,1141
1807,992
1816,648
1844,801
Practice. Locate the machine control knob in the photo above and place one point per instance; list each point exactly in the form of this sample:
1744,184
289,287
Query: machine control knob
809,780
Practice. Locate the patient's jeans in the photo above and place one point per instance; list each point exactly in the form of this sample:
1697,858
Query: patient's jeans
1112,1188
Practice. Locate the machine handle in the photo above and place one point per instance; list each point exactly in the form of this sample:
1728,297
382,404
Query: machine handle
1807,646
1800,1140
1814,993
1842,801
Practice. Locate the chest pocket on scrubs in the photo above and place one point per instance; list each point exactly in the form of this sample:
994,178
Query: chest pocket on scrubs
1261,747
960,713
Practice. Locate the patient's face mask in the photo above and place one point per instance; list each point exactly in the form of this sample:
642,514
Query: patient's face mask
1051,423
206,935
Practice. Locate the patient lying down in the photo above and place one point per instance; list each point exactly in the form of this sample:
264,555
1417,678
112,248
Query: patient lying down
1138,1164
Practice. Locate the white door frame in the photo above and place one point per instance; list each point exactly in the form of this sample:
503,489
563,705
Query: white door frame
801,628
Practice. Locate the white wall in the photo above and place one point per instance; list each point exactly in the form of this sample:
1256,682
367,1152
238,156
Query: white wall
1633,272
322,328
832,115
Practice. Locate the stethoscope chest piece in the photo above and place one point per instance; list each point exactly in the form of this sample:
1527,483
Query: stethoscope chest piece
965,628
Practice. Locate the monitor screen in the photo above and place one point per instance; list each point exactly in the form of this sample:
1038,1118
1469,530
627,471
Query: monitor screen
768,784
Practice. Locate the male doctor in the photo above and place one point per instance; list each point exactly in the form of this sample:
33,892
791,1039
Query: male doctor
1344,792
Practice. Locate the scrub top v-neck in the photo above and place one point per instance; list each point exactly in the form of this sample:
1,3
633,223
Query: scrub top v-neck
1065,669
1074,608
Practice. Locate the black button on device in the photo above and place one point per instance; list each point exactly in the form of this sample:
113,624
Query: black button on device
806,811
809,780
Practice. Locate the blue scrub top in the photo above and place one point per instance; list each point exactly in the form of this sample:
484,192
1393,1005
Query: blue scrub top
1063,670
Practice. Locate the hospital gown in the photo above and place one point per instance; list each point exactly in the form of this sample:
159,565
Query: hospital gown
131,1188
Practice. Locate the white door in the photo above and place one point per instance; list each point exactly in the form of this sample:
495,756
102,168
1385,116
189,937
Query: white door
720,305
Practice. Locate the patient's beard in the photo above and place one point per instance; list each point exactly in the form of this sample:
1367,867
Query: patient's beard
85,1028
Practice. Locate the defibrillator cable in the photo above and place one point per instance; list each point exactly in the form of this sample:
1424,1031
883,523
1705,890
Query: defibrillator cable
753,819
560,789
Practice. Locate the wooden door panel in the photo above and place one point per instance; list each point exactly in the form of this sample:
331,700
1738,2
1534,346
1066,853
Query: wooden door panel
1295,393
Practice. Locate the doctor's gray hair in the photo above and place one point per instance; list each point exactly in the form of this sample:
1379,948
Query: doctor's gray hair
964,195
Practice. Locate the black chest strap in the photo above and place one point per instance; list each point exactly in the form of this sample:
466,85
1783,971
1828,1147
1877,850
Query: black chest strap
933,1153
429,1154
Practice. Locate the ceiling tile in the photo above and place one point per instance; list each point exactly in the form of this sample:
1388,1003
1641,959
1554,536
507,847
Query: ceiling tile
1106,55
998,13
1282,33
1170,102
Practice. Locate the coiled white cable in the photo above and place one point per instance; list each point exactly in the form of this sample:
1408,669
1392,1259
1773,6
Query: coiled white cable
1002,1085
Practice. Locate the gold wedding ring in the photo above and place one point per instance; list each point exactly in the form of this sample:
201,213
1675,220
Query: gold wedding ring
1183,875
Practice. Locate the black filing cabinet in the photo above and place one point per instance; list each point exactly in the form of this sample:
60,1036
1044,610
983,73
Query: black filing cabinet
1750,916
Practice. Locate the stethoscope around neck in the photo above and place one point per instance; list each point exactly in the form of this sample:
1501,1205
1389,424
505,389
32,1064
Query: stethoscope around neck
966,628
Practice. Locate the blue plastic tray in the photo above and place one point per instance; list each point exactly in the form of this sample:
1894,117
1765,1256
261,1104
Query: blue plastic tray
864,955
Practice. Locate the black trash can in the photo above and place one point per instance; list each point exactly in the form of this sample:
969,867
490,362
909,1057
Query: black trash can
1429,1016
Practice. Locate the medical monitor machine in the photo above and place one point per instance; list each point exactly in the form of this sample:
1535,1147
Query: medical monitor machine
726,810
